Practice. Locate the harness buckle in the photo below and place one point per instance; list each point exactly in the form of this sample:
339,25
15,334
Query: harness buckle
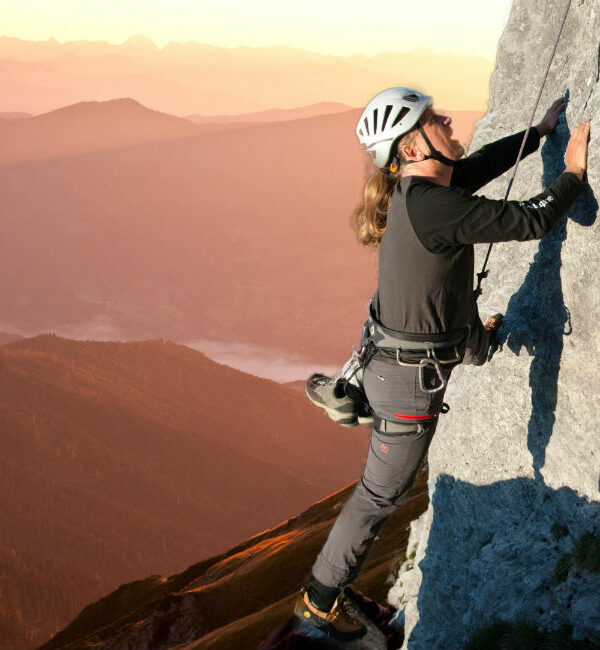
456,359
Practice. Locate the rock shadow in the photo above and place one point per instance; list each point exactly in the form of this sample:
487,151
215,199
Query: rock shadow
491,557
493,550
537,318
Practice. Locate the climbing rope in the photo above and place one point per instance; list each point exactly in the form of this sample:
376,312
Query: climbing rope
484,271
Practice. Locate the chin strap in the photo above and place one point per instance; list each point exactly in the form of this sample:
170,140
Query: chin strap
433,153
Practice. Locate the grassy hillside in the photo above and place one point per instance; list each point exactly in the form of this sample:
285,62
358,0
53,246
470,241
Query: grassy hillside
123,459
232,601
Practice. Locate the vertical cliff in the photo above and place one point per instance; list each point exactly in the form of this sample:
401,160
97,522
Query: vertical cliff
513,530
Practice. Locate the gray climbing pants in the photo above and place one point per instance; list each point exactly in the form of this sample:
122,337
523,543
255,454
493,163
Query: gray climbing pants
390,470
396,451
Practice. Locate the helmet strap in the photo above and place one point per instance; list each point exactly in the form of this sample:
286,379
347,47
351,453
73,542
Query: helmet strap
434,153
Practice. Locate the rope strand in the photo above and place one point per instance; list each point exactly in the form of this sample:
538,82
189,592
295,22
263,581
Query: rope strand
484,272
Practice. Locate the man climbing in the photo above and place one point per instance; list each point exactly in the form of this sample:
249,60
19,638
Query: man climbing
420,211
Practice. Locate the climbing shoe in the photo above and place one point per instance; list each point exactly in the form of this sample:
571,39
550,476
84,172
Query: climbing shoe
330,395
493,323
338,623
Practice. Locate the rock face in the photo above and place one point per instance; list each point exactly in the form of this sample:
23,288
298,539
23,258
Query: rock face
514,467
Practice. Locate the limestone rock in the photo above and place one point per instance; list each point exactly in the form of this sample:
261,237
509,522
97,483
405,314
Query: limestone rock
518,457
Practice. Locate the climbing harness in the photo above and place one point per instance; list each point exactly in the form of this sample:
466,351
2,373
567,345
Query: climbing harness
384,338
484,271
376,336
410,350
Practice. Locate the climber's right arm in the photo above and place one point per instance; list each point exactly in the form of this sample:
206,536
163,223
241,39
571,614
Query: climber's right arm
446,217
577,150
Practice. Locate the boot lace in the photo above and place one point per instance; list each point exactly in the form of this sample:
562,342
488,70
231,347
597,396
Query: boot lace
345,607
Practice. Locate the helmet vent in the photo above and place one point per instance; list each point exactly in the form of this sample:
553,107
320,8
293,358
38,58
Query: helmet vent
367,126
401,113
411,98
375,115
388,110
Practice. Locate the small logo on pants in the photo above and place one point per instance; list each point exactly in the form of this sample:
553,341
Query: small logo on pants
384,448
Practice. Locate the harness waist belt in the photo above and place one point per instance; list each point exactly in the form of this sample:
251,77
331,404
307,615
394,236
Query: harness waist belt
383,337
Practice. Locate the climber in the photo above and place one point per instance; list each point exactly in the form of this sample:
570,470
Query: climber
420,211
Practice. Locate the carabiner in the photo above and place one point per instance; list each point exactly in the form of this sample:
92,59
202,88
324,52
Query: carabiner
436,365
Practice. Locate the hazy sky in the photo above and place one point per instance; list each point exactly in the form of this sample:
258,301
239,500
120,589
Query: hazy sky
329,26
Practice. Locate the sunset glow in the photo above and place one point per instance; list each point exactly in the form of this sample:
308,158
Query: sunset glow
339,27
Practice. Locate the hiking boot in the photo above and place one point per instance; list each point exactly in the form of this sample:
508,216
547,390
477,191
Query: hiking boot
338,623
493,323
329,394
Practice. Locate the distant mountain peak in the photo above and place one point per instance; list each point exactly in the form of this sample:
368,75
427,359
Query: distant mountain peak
139,41
99,107
125,101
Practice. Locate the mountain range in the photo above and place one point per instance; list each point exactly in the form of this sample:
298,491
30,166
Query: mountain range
119,460
125,223
196,78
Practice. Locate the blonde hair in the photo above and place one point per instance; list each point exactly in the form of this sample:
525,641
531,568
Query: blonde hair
370,217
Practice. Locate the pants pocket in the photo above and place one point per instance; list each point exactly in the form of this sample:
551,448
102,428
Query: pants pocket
393,460
394,392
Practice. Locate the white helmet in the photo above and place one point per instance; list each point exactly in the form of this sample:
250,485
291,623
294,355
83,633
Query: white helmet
390,114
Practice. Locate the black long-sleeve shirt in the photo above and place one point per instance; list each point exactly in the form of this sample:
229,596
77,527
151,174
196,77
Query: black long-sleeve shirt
426,268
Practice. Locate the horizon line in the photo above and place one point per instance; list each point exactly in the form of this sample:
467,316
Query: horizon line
159,48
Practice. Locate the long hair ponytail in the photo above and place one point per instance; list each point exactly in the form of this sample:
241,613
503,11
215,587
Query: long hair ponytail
370,217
